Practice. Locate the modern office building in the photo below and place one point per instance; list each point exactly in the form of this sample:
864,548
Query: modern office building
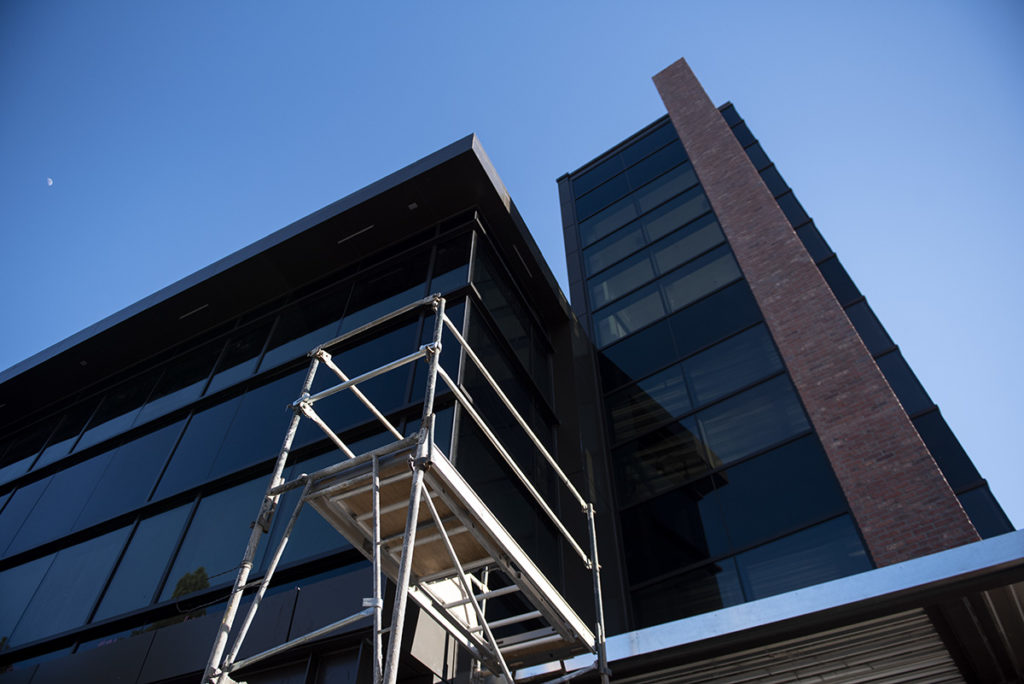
775,491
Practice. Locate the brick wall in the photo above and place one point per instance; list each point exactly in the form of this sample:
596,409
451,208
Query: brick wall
899,498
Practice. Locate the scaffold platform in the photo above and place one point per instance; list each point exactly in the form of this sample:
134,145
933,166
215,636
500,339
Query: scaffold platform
410,511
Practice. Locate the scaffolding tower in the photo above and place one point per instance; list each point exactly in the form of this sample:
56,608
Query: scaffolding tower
408,509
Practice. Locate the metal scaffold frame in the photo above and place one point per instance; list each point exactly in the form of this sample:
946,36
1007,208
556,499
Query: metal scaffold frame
447,570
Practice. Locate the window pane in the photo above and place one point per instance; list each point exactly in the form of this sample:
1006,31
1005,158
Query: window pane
305,324
118,410
675,213
628,315
637,356
240,357
654,400
714,318
607,220
215,540
757,156
665,187
590,179
650,142
199,445
819,554
617,246
752,421
792,209
870,330
658,461
385,289
620,279
813,242
656,164
781,490
70,588
687,243
130,475
601,196
732,364
838,280
712,587
679,528
743,134
774,181
138,575
451,267
985,513
23,450
67,432
946,450
18,508
182,381
700,277
57,509
17,587
904,383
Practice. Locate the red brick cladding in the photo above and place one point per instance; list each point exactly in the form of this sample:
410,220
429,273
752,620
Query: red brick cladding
902,503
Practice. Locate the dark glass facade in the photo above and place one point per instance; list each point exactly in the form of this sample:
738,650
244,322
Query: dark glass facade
722,489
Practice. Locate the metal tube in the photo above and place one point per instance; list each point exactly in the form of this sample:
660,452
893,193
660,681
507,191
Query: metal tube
511,589
402,581
271,568
515,414
266,508
429,299
339,486
595,570
464,401
324,473
325,358
307,410
466,587
305,638
378,594
368,375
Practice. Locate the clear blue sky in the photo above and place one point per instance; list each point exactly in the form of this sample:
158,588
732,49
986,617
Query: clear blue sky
176,133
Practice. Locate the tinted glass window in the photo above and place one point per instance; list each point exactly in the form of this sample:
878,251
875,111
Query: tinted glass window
813,242
637,356
743,134
679,528
607,220
757,156
649,402
751,421
305,324
730,115
837,279
258,428
590,179
130,475
675,213
665,187
602,196
70,588
685,244
138,574
241,354
870,330
778,491
616,246
700,277
904,383
67,432
985,513
650,142
23,450
118,410
732,364
182,381
792,209
55,513
199,445
620,279
774,181
384,289
215,540
20,505
629,315
17,587
451,265
658,163
946,450
819,554
712,587
658,461
714,318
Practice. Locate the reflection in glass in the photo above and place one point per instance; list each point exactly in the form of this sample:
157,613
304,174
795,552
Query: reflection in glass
17,587
199,445
629,315
240,357
66,433
658,461
621,244
118,410
20,505
182,381
649,402
620,279
305,324
711,587
70,588
737,362
23,450
700,277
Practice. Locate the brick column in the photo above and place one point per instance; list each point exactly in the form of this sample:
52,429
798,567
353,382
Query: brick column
899,497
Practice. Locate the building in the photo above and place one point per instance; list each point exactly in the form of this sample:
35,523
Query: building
133,455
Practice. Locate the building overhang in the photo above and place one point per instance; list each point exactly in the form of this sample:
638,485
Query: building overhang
445,183
972,595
